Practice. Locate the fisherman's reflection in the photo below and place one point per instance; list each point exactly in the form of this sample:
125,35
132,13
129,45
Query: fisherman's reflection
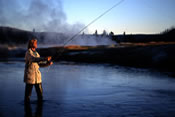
28,110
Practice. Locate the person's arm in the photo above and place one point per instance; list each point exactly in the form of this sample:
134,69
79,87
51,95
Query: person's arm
31,58
45,63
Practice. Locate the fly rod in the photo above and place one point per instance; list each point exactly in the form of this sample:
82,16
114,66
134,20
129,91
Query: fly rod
75,35
115,5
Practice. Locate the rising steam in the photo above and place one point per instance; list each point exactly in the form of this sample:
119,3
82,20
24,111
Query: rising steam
43,15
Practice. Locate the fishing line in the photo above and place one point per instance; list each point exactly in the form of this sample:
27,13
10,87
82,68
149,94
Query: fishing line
75,35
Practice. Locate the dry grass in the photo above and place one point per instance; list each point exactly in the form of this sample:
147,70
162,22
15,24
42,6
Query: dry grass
147,44
78,47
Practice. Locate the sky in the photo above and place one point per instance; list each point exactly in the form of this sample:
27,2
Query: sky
131,16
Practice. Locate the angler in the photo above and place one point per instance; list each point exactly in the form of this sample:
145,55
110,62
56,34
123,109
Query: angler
32,74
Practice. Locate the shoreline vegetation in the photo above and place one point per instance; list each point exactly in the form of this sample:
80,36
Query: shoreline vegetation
130,50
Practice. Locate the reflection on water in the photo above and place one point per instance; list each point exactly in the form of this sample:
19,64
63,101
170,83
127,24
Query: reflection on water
76,90
28,110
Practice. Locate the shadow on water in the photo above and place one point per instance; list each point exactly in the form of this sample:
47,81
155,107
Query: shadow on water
28,111
40,109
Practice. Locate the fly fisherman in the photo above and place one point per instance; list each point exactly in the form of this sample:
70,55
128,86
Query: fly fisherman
32,75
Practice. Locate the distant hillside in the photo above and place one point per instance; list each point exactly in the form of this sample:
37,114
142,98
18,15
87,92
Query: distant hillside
12,35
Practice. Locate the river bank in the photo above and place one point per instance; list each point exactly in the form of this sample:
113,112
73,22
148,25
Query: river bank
145,55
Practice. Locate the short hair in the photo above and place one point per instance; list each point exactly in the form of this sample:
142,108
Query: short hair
31,42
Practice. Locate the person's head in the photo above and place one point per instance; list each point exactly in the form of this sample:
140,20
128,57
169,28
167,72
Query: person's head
32,43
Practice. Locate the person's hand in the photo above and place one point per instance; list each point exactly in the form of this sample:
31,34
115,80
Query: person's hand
50,63
49,58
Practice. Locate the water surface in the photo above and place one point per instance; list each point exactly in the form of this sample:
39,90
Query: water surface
89,90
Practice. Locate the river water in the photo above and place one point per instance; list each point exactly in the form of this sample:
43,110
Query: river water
88,90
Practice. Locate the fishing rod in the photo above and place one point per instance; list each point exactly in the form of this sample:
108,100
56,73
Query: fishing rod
115,5
75,35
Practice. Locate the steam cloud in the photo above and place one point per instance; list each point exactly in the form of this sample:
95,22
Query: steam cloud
43,15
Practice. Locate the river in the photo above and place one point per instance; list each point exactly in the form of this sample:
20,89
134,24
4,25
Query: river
88,90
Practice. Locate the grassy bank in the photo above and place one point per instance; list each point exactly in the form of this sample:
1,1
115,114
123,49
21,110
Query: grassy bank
159,55
151,55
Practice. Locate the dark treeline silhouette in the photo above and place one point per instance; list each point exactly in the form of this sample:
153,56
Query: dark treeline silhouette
10,35
166,36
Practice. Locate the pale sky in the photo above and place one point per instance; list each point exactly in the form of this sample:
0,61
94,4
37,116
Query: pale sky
131,16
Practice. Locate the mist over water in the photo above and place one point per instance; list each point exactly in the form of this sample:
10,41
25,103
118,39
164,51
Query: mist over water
91,41
81,40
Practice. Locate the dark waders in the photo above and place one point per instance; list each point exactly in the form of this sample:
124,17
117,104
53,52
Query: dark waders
28,91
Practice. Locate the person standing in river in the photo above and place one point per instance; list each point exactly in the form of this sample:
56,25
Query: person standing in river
32,74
